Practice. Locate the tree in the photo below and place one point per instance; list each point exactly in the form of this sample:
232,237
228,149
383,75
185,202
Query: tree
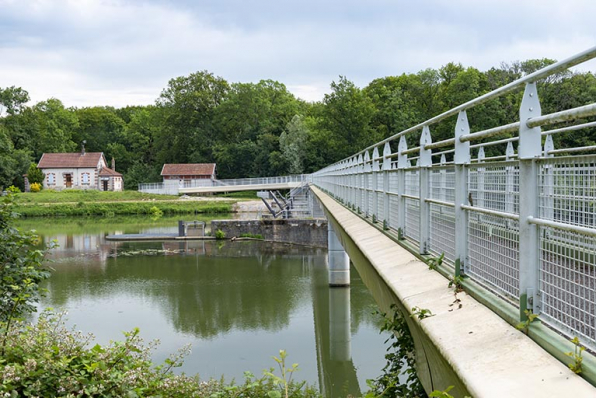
35,175
394,106
22,269
100,127
292,143
57,127
13,163
188,104
13,99
347,114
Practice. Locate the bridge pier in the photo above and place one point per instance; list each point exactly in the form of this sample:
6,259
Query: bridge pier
337,260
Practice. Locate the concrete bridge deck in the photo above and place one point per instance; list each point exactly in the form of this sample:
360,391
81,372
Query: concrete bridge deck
237,188
471,347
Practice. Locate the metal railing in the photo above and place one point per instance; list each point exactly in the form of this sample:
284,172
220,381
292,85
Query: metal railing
522,224
173,187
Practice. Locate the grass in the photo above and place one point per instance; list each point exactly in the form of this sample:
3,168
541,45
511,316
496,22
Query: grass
76,196
121,208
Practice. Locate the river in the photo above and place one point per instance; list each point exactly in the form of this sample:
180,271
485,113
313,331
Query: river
236,303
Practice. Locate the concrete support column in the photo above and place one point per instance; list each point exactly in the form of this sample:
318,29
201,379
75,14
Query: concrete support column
339,325
338,260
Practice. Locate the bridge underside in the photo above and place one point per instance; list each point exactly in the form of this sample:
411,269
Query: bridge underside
468,347
238,188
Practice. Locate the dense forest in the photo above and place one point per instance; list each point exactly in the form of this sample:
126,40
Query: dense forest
261,129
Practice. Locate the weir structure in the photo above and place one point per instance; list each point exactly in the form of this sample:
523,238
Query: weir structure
516,229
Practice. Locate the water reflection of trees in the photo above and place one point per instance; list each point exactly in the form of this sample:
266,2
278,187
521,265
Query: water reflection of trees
234,286
205,287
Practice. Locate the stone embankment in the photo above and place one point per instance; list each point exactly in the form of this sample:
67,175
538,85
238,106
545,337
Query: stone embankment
311,232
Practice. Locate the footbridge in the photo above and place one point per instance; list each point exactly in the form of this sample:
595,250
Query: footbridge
228,185
485,230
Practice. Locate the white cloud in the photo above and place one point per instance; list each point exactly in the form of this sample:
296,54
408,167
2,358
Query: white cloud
94,52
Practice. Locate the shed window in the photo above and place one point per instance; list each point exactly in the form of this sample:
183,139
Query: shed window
51,179
85,178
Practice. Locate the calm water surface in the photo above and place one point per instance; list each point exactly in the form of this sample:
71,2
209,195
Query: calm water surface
236,303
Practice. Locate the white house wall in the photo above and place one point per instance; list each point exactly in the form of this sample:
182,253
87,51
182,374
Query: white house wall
77,178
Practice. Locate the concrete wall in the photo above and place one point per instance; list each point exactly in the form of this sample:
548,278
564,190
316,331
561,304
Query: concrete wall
309,232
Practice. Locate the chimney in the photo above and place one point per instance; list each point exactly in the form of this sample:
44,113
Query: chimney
113,164
83,147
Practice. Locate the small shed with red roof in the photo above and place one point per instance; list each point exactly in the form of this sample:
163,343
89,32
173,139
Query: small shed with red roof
186,173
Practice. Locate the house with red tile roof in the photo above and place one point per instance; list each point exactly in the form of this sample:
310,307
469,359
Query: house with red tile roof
188,174
82,170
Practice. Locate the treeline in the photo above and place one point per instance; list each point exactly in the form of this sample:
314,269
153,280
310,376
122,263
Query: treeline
261,129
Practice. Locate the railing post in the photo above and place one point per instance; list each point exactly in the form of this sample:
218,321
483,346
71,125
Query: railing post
366,186
360,182
443,182
424,165
530,149
346,179
342,172
386,169
402,164
375,183
354,171
461,160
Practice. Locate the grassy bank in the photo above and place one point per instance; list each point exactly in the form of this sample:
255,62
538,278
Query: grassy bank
75,195
121,208
49,203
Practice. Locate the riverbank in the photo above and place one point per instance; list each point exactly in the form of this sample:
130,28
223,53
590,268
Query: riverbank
95,203
123,208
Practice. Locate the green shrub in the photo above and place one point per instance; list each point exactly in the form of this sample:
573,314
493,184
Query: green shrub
13,189
155,212
47,359
35,175
399,377
219,234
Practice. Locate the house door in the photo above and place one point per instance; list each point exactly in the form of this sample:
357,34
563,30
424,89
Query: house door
105,185
68,182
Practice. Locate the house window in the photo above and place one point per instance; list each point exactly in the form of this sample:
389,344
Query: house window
85,178
51,179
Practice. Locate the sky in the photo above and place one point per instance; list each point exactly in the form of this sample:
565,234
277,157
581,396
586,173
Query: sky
124,52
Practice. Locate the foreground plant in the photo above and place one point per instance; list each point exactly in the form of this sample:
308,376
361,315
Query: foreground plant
22,269
47,359
576,355
401,361
525,325
435,262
